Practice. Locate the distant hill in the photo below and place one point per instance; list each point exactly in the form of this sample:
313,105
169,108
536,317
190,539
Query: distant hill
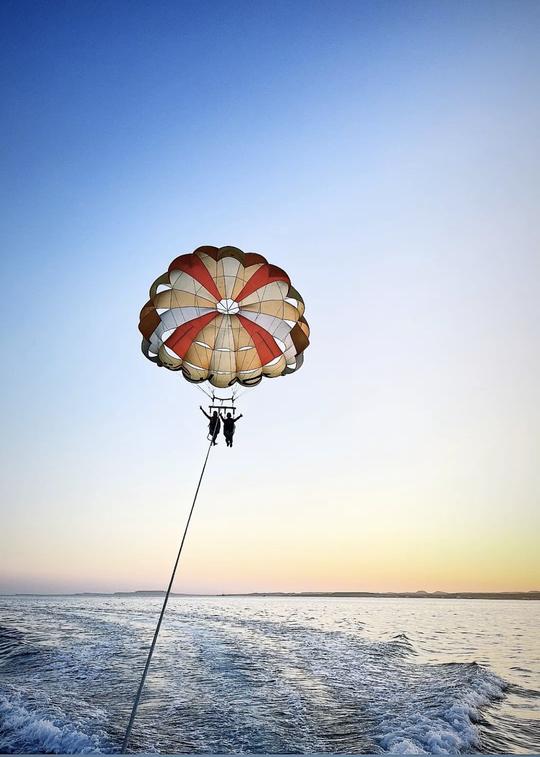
405,595
525,595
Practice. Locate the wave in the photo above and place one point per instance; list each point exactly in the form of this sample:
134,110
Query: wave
16,648
382,699
239,680
447,721
28,730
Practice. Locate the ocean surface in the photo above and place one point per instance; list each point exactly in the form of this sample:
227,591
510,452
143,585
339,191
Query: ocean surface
271,675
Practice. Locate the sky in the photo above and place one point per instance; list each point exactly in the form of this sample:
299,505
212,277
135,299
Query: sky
386,155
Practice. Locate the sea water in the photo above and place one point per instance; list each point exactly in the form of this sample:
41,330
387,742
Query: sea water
271,674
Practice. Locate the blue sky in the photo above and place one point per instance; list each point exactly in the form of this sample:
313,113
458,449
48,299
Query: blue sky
384,154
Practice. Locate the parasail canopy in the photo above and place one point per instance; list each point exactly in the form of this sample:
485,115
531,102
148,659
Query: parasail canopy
224,316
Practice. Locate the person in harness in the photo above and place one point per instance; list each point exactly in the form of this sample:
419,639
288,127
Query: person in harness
214,426
229,425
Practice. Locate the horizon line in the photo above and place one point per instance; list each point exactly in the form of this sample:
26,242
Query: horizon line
306,594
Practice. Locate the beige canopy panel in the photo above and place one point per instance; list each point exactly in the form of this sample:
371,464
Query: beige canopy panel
224,316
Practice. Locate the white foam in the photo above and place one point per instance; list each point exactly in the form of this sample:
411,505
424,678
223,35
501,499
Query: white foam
450,725
25,731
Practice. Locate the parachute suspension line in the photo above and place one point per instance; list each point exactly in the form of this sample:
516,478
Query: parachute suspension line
203,390
162,613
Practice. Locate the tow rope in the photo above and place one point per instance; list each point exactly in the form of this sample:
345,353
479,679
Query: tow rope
162,613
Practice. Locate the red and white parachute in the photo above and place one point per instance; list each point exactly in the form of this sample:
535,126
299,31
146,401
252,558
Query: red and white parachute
224,316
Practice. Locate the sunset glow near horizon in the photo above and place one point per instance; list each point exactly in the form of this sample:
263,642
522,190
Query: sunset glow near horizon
387,157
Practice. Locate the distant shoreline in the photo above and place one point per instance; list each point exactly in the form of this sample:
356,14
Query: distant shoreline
521,595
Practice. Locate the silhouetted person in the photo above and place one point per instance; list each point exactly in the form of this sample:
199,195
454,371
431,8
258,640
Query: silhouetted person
214,426
229,424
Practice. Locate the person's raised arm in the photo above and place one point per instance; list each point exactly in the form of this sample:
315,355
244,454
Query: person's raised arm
204,411
238,418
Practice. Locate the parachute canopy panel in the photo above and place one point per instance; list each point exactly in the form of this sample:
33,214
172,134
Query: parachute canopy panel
224,316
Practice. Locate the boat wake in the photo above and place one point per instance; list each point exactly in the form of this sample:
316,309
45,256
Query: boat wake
233,682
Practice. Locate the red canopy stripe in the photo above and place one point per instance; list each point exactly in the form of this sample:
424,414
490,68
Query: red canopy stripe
264,342
194,266
182,337
264,275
